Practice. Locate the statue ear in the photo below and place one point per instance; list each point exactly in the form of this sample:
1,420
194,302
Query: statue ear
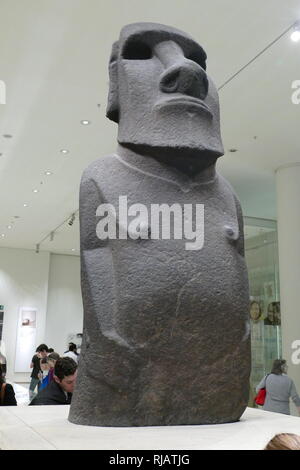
112,110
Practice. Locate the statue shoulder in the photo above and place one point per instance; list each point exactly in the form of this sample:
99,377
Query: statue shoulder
226,187
97,169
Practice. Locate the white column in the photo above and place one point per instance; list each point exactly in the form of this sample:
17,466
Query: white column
288,216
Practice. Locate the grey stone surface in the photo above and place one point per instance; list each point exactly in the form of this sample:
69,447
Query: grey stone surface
166,332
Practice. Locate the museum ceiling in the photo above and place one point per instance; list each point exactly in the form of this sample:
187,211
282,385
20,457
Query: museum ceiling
53,61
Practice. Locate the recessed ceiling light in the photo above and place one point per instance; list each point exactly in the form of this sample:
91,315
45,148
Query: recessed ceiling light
73,249
295,36
25,205
85,122
48,173
9,227
64,151
35,190
2,234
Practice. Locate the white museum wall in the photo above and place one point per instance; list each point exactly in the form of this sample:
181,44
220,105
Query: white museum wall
23,283
64,310
48,283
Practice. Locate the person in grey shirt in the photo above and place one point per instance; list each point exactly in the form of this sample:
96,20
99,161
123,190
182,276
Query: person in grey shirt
280,388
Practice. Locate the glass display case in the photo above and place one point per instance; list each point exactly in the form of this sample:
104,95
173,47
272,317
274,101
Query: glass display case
261,250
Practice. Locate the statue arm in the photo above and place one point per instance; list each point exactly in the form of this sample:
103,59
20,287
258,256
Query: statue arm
90,199
97,266
240,241
235,206
97,280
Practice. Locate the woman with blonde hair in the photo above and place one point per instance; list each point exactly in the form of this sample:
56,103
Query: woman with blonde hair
284,441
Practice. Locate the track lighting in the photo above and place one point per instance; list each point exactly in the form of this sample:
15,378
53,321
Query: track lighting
50,236
72,219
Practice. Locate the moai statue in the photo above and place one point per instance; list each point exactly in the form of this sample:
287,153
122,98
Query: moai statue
164,279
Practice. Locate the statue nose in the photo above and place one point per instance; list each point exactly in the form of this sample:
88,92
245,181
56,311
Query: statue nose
187,78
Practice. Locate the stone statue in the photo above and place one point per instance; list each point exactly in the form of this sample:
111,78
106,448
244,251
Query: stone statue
164,279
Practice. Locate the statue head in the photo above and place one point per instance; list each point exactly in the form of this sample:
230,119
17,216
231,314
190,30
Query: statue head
160,93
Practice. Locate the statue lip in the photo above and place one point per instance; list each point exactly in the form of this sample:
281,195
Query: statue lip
190,101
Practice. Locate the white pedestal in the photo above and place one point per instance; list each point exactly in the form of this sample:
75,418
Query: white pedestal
47,427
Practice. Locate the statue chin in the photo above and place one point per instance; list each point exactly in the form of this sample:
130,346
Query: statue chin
191,160
180,137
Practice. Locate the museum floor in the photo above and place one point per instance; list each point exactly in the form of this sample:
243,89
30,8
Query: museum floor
47,427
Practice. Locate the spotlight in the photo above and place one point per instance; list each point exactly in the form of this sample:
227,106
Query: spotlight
295,36
37,248
71,221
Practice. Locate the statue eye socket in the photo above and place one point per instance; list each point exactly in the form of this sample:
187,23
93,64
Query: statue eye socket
135,50
198,58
